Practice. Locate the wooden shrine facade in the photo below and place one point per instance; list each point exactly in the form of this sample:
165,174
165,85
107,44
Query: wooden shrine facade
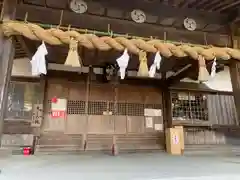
104,112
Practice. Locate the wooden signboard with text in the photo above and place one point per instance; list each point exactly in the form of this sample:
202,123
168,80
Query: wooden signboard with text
37,116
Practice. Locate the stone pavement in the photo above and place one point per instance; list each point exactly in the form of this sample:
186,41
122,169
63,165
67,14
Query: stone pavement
141,166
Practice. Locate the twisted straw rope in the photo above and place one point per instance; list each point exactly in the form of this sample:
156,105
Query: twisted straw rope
55,36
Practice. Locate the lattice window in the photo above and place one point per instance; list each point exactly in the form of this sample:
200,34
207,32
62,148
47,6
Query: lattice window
76,107
189,106
153,106
121,109
111,108
134,109
97,108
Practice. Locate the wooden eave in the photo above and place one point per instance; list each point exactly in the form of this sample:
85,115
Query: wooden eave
165,20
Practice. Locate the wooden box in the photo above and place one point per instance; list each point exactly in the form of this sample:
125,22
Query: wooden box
181,136
173,143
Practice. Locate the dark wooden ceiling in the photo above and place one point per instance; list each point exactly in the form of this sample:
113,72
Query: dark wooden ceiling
222,6
162,19
210,15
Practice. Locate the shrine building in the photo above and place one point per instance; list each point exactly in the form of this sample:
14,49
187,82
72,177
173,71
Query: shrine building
113,76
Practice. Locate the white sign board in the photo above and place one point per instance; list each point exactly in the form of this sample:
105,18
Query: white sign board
158,127
60,105
152,112
149,122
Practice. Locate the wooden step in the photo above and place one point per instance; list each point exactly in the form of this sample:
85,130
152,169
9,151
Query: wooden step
137,142
101,142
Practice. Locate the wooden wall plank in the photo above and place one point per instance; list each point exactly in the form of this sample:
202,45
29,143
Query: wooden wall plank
222,110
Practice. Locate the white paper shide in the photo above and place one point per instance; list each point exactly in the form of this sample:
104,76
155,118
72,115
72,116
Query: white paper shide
38,61
123,63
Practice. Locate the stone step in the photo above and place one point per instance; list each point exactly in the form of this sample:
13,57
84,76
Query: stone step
212,149
5,152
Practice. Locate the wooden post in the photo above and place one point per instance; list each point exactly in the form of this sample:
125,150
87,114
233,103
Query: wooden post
235,78
167,106
235,71
6,58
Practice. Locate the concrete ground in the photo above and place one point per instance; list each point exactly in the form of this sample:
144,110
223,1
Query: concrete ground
141,166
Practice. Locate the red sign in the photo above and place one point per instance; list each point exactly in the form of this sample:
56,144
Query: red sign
58,114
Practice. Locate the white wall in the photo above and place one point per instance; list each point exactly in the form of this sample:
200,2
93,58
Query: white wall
221,82
22,67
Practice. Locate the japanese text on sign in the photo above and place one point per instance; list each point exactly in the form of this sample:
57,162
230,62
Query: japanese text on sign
58,114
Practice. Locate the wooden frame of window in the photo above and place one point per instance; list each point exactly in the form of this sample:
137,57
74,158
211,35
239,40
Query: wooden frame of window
221,103
24,83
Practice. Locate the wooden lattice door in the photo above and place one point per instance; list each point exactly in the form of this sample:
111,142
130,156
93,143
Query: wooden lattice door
100,115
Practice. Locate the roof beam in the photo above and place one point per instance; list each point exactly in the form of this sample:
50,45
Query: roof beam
234,16
162,10
221,5
210,4
236,3
101,23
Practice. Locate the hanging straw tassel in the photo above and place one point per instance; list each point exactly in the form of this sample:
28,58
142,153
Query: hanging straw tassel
213,69
73,58
143,67
203,74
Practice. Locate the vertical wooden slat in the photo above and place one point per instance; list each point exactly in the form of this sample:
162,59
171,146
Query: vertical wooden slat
6,58
235,115
228,105
212,115
214,109
223,109
229,119
220,111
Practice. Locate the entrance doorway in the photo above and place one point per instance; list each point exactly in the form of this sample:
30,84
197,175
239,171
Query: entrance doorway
103,115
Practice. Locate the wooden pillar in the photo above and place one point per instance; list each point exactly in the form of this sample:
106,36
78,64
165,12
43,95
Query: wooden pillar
235,76
167,108
6,58
167,104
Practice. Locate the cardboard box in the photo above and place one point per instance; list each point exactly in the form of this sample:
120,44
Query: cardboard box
181,136
173,143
